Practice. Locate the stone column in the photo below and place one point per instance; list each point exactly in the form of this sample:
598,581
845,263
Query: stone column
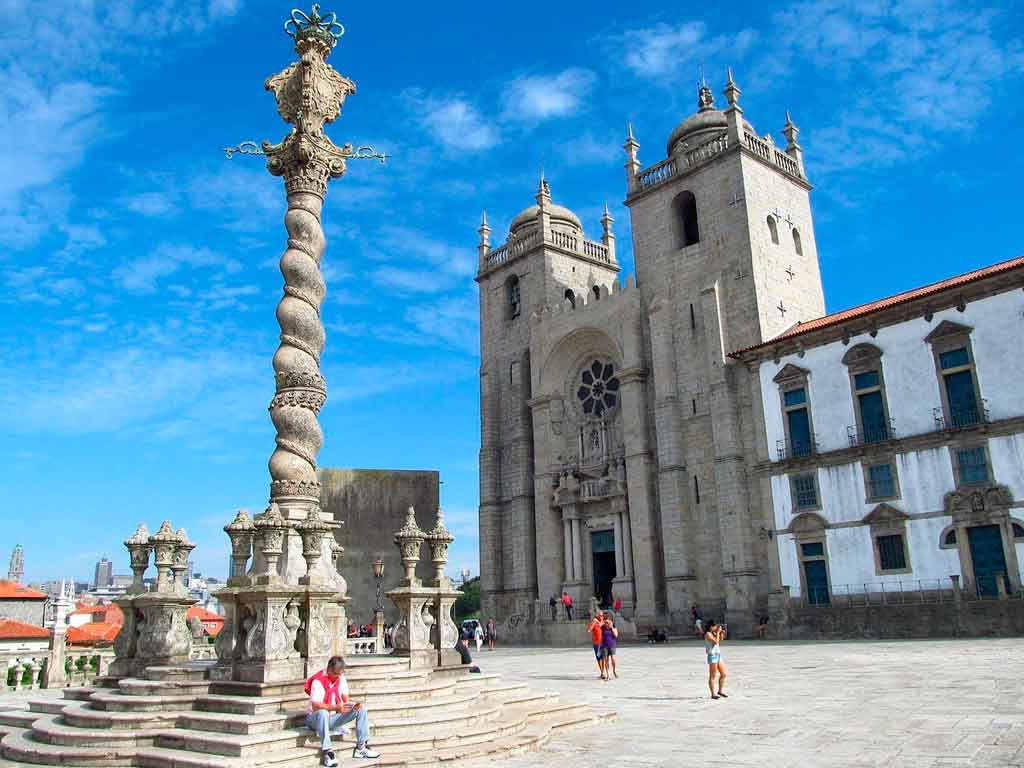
54,675
620,563
413,600
570,574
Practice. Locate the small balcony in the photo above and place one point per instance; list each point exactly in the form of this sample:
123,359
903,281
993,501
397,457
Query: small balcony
875,433
960,416
796,449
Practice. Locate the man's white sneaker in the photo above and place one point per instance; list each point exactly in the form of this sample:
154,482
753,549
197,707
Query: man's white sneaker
365,751
328,760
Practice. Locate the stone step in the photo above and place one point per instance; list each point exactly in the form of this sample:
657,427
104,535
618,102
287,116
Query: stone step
52,706
232,745
243,724
49,729
78,694
113,701
430,720
19,746
131,686
247,705
194,670
18,718
87,717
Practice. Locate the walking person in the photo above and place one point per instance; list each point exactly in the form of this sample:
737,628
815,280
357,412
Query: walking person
567,604
492,630
478,636
329,708
596,635
553,602
712,642
609,641
698,621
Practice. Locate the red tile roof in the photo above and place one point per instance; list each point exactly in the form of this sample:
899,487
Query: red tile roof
12,590
19,630
212,622
110,612
95,633
891,301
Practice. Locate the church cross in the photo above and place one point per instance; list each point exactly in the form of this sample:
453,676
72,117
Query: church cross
777,213
781,308
789,219
790,272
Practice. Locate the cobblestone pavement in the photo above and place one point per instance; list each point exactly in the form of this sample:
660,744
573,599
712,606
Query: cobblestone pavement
912,704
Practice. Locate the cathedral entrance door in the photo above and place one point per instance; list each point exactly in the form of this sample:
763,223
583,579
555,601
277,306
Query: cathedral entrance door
986,543
602,547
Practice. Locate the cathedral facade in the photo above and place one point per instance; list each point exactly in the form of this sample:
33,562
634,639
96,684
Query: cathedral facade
617,440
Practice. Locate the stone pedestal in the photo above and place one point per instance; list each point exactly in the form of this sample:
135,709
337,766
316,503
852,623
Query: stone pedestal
154,633
412,640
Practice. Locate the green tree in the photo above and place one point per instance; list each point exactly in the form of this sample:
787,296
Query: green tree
468,606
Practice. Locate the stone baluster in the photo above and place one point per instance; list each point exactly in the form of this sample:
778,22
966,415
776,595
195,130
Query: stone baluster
439,540
409,540
241,532
312,531
19,670
270,532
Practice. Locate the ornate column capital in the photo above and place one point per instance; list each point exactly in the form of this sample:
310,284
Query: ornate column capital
409,539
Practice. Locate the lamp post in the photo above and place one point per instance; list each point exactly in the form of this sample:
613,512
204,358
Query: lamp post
378,614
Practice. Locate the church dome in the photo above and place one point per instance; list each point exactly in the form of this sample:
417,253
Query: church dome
559,214
701,126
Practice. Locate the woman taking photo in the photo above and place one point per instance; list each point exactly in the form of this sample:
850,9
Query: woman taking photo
712,639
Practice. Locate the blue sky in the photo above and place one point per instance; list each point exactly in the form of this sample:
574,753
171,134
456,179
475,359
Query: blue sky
138,265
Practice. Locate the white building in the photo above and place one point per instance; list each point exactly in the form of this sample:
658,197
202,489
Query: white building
894,437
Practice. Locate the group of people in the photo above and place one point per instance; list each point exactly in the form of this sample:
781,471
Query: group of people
604,636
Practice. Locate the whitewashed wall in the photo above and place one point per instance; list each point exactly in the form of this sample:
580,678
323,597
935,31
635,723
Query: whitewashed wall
912,391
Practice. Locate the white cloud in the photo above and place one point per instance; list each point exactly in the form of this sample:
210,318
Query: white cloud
152,204
536,98
453,121
142,275
587,149
669,51
454,321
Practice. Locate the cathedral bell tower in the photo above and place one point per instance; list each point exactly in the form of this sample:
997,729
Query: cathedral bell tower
545,261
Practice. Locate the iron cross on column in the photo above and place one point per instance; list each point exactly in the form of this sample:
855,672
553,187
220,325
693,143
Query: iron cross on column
298,83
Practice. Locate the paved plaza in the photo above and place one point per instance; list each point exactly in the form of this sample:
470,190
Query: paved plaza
913,704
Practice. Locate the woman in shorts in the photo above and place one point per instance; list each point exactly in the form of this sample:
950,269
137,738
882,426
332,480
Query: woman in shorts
609,640
712,640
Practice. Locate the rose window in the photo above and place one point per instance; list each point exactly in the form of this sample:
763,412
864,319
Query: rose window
598,391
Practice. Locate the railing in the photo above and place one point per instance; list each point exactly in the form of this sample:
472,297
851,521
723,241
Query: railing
873,434
23,670
656,174
519,245
787,163
902,592
590,489
704,152
961,416
760,148
362,646
786,449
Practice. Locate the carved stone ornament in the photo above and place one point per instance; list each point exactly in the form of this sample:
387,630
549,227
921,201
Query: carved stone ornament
439,539
138,550
270,530
312,531
966,502
164,543
409,539
241,532
181,556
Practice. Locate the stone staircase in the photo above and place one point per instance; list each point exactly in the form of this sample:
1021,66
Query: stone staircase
175,718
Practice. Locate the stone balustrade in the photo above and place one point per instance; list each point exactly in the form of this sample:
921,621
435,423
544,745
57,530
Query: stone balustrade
23,670
692,158
566,241
363,646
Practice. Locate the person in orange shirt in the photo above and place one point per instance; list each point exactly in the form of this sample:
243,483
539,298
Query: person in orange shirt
595,637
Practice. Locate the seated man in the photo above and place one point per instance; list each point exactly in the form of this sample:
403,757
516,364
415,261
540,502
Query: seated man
329,708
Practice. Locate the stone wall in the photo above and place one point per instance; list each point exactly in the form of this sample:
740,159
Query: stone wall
371,505
27,611
979,618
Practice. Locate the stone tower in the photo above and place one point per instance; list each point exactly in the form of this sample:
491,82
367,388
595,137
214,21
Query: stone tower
726,258
545,261
16,571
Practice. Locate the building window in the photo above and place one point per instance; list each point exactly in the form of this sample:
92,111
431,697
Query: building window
570,297
797,244
971,465
891,553
1018,531
685,205
804,489
864,362
598,390
948,539
962,405
773,230
796,413
881,481
514,297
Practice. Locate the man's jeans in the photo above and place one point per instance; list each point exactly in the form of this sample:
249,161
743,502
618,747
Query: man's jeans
323,722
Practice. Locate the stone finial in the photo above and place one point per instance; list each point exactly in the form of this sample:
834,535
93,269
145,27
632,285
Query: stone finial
409,539
543,191
270,529
732,91
312,531
705,98
241,533
631,146
484,231
439,539
791,132
322,31
139,547
164,543
181,556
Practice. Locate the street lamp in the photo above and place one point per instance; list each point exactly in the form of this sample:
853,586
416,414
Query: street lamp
378,575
